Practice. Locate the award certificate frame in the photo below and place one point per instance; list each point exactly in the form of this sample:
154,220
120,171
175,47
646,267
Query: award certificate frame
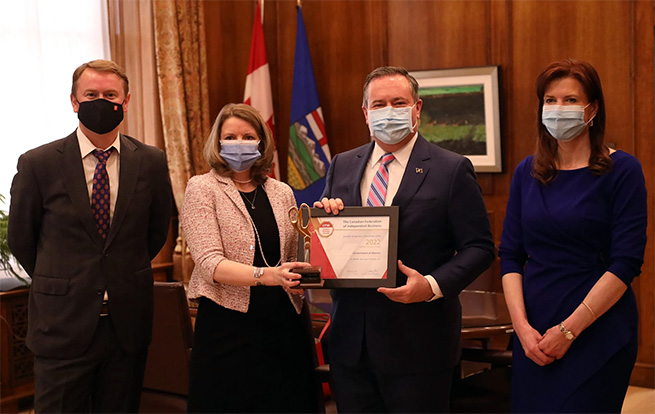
357,248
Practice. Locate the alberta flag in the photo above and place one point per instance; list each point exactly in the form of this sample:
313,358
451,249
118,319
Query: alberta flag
309,154
258,82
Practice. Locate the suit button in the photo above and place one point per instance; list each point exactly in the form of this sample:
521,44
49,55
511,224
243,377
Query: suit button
100,291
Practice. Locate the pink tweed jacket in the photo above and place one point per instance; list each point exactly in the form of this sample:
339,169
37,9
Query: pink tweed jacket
217,226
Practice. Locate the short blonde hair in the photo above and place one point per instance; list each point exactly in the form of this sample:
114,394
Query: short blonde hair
100,65
259,171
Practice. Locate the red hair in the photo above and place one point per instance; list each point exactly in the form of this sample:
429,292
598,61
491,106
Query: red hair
546,155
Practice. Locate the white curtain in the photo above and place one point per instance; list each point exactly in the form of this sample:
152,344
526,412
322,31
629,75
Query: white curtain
41,44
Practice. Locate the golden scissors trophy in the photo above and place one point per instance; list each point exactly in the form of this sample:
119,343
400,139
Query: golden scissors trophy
311,276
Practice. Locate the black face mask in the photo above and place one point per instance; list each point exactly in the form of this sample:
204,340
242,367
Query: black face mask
100,115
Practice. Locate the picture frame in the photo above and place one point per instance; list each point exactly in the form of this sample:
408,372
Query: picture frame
355,249
461,113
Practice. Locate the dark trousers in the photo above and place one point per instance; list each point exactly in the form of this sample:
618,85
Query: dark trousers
362,389
104,379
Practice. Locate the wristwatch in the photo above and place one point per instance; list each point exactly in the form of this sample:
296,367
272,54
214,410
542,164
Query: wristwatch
567,334
257,273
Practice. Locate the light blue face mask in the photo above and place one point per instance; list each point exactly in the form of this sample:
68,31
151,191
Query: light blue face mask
239,154
564,122
391,125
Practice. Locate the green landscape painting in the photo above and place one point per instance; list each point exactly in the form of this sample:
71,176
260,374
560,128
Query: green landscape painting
453,118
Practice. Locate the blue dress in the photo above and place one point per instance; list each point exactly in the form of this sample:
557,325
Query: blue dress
562,237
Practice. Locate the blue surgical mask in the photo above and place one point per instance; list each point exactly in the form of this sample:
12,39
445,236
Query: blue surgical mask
564,122
391,125
239,154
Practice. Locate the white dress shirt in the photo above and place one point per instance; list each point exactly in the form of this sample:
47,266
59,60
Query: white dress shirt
396,172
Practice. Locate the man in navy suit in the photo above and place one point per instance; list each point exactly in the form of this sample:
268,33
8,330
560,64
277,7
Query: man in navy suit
88,213
394,349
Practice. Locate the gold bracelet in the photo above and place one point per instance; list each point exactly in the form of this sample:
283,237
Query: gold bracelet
567,334
590,310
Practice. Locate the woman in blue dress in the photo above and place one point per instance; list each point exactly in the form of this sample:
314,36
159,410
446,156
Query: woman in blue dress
573,240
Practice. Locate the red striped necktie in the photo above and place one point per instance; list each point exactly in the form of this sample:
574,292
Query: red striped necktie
378,191
100,193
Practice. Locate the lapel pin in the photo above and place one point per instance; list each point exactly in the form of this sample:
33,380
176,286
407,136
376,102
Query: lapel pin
419,171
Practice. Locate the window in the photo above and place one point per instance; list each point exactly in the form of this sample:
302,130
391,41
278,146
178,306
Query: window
41,44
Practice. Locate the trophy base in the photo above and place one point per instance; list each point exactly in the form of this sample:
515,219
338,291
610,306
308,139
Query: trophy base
310,276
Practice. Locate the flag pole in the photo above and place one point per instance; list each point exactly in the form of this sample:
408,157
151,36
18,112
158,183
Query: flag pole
261,6
257,91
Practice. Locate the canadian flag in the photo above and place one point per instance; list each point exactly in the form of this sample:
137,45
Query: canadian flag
258,82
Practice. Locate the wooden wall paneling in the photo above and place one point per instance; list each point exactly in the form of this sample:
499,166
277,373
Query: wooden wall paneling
437,35
273,44
612,54
643,94
500,53
527,62
378,36
228,32
577,30
272,23
486,183
285,34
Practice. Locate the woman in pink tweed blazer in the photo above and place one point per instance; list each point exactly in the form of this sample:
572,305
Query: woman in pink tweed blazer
250,352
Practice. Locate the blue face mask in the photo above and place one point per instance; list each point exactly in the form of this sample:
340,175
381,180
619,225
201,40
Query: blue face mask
564,122
391,125
240,155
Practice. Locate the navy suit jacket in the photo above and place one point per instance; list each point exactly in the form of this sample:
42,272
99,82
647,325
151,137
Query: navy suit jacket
443,231
53,235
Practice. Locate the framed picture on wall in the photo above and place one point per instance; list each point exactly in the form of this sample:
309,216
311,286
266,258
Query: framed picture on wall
461,113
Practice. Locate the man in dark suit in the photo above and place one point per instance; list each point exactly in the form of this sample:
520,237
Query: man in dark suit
88,213
394,349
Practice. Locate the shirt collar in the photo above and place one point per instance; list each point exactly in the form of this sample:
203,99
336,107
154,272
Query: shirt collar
87,147
401,155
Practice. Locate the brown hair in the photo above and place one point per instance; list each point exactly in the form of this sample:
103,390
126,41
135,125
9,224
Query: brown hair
259,171
100,65
546,153
390,71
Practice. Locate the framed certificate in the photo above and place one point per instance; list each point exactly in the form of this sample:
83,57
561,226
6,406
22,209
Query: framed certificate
357,248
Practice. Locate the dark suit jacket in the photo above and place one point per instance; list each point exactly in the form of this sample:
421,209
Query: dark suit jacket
443,231
53,235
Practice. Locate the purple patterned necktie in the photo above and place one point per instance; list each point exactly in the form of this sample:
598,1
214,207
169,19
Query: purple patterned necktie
100,193
378,191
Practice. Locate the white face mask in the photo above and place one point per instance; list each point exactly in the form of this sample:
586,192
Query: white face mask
564,122
391,125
